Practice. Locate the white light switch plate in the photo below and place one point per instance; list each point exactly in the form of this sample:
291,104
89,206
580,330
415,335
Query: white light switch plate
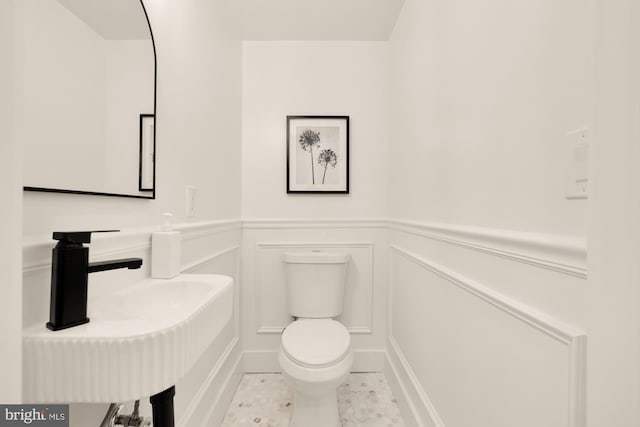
577,186
192,191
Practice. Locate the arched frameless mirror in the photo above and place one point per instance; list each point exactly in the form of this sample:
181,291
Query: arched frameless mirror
88,97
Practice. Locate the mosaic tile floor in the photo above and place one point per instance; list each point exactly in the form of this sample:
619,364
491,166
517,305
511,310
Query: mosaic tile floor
364,400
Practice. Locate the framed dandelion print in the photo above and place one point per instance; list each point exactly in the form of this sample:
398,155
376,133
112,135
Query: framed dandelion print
318,154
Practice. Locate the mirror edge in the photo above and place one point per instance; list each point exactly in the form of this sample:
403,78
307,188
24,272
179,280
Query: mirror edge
88,193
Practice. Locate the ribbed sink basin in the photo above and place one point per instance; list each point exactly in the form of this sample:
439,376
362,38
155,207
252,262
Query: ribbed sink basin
140,340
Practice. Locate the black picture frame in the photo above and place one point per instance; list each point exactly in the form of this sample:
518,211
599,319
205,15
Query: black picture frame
318,154
147,159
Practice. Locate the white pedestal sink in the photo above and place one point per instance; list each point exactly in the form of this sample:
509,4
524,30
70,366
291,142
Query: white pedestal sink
140,340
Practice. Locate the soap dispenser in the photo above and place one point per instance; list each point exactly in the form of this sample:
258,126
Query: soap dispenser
165,251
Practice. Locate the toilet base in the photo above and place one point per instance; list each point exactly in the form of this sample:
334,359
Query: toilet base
315,391
315,410
315,397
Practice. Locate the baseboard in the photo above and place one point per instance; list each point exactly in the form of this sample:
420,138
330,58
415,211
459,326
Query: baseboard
216,413
368,361
415,406
267,361
260,361
210,404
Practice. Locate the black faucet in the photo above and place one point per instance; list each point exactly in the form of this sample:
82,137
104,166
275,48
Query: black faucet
70,270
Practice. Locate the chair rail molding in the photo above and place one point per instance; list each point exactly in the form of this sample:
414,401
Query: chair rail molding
37,253
310,223
562,254
201,262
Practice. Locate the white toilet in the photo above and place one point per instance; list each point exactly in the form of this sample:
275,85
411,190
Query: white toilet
315,350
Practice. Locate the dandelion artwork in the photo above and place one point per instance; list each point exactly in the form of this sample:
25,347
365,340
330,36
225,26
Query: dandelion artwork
317,154
308,139
327,157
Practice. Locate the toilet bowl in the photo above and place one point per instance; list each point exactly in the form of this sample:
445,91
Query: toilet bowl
315,350
316,357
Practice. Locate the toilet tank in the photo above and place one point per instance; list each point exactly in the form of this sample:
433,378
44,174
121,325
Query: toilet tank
315,283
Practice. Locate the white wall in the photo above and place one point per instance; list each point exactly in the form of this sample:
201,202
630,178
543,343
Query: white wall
198,143
198,116
483,95
10,218
613,295
313,78
488,259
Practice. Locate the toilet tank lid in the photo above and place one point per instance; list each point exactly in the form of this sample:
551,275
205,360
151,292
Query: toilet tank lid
315,258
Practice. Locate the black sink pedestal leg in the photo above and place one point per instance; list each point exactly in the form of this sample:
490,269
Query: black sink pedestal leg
162,406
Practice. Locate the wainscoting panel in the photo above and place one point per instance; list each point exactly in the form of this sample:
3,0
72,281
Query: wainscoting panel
271,305
208,388
465,355
209,404
225,262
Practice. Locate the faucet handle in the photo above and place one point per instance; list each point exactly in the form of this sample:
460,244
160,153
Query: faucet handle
77,236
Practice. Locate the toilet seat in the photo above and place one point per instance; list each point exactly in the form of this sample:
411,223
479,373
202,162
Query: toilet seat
316,343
